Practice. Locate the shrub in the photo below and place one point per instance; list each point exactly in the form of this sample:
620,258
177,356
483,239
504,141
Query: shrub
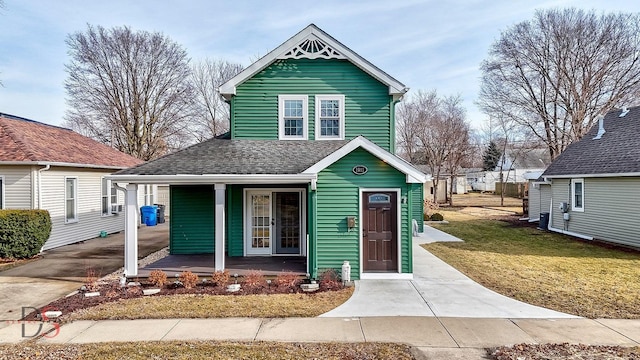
158,278
426,217
329,280
91,280
23,232
220,278
254,281
437,217
287,281
188,279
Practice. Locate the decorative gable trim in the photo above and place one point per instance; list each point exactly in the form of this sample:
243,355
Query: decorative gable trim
312,43
413,175
312,48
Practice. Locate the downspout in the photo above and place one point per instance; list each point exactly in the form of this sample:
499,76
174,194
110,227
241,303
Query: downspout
45,168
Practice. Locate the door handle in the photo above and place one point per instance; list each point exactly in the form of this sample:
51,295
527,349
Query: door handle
364,233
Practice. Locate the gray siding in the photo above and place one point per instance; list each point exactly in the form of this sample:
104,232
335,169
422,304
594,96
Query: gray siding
611,209
539,199
17,186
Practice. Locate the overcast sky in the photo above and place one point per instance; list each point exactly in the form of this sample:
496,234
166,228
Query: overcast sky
424,44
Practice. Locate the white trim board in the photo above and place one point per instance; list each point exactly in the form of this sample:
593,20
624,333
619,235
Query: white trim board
413,175
396,88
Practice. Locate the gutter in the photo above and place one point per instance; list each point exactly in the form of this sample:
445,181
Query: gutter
40,171
565,232
181,179
64,164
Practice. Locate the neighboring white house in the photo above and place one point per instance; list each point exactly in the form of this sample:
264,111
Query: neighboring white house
56,169
594,185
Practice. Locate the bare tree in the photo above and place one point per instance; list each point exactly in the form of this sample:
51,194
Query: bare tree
458,138
436,130
407,129
128,89
211,112
555,74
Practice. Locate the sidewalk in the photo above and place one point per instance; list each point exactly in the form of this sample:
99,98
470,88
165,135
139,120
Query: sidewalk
421,332
437,289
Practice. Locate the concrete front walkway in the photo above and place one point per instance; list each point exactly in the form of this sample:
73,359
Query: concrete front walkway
425,333
437,289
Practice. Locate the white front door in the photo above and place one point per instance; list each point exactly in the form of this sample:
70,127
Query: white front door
258,235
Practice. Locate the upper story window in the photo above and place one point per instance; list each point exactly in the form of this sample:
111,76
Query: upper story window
292,117
577,194
329,117
71,199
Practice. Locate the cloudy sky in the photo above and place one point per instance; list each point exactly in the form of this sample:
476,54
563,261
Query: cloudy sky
426,44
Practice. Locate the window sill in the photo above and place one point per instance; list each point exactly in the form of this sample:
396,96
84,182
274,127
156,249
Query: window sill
71,221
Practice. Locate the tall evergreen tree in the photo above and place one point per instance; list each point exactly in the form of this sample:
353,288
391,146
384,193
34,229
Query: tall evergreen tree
491,157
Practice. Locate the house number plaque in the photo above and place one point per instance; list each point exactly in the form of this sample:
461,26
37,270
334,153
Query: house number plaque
360,169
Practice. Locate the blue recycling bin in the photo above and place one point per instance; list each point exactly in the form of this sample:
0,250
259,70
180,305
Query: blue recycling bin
149,216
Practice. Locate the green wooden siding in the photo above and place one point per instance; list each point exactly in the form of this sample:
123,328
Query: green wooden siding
338,197
235,243
368,105
417,204
191,219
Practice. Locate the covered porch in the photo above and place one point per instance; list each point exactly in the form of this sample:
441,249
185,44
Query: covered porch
203,265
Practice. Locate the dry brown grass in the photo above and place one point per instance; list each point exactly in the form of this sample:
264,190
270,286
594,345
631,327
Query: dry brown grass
217,306
543,268
487,199
207,350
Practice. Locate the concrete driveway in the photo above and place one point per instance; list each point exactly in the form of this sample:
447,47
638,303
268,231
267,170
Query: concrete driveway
437,289
62,270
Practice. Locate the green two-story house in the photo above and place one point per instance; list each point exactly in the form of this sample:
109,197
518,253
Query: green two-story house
307,168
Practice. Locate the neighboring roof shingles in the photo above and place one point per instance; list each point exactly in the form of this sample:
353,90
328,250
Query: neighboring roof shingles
23,140
224,156
617,152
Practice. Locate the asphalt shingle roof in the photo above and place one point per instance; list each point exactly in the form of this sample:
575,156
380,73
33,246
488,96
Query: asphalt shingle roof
26,140
617,152
225,156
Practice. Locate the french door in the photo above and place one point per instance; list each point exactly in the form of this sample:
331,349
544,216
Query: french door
274,222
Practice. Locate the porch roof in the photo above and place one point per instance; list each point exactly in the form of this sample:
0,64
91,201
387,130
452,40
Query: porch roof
239,157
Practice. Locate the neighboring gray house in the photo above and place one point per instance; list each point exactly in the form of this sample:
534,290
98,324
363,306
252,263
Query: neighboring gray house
539,195
595,182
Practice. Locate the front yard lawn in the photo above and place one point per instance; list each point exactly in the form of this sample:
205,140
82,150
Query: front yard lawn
216,306
207,350
544,268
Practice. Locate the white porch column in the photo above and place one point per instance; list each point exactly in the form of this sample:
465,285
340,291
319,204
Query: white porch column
131,231
220,221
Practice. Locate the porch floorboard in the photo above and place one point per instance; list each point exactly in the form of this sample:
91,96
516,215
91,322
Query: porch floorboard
203,265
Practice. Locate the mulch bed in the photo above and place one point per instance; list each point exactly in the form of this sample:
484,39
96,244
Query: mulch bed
112,291
565,351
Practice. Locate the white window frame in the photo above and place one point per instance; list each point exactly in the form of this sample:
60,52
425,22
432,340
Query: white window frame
305,117
2,186
340,99
75,199
104,195
573,195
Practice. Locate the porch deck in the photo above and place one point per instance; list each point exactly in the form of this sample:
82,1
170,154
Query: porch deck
203,265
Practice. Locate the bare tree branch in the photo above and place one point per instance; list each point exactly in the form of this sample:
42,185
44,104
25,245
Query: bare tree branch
553,75
128,89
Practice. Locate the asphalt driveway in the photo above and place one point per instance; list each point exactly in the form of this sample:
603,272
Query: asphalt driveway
62,270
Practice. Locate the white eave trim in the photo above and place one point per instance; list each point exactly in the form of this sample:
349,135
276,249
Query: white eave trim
632,174
63,164
396,88
413,175
182,179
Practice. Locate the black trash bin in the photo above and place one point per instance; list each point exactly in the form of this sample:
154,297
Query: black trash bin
160,213
544,221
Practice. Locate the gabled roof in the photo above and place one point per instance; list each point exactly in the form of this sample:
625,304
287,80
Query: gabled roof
312,43
616,153
253,161
24,141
